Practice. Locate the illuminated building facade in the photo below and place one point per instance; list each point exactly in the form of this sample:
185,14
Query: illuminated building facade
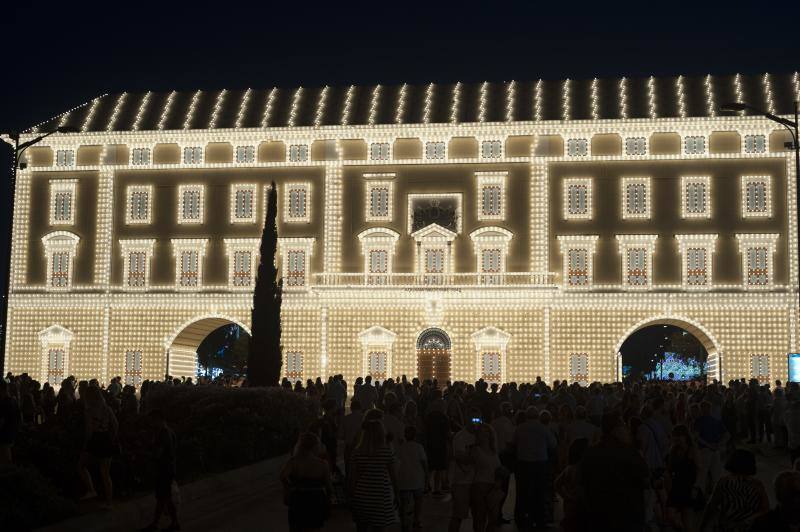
498,230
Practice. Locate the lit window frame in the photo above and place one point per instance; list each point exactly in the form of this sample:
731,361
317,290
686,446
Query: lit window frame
636,146
490,340
491,149
64,157
380,151
127,247
179,245
587,243
377,339
632,181
373,181
55,337
628,242
577,147
378,239
565,194
58,186
192,155
60,242
745,181
708,242
748,241
287,207
141,156
686,181
695,145
489,238
289,244
298,153
182,190
435,145
433,237
249,154
235,189
490,179
129,191
753,138
234,245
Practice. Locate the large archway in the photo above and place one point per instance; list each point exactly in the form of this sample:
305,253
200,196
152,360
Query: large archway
183,344
657,347
433,356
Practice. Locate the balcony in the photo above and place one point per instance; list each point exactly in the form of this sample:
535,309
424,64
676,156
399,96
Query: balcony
404,280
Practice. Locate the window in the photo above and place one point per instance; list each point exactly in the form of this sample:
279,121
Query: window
138,208
60,248
490,367
577,202
136,268
694,145
379,200
243,199
140,156
298,153
759,368
190,210
491,149
296,254
635,197
491,191
377,246
635,146
637,255
296,206
133,368
755,143
377,365
491,249
65,158
434,150
242,253
189,254
55,342
296,273
379,151
757,252
578,252
294,366
245,154
697,251
579,368
577,147
756,197
696,197
62,200
432,256
193,155
434,261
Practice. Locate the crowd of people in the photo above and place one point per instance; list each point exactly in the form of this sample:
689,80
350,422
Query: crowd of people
622,456
619,456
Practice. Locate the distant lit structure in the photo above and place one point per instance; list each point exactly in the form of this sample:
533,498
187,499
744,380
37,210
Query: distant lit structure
498,230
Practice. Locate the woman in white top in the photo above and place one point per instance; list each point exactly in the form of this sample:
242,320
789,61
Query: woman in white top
486,487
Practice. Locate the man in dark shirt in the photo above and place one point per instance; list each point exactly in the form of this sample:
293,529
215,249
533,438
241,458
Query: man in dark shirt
164,447
10,418
612,476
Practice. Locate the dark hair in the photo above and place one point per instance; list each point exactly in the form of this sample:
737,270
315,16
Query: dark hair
741,462
576,450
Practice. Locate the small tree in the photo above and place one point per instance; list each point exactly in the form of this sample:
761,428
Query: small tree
264,362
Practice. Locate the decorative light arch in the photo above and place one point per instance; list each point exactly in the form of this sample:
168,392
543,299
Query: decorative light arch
181,346
698,330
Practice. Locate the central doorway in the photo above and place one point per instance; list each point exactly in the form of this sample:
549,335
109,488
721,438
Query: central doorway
433,356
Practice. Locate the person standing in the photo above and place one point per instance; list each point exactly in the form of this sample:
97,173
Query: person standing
100,434
165,444
739,497
711,436
504,432
412,479
487,485
533,443
462,469
10,419
373,480
792,420
349,430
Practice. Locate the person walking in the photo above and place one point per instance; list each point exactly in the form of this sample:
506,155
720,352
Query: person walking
165,444
533,443
100,434
374,482
738,498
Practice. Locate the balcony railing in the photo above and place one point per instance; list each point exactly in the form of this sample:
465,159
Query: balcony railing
435,279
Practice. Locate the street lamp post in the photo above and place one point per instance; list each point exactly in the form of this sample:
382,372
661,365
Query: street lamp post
19,148
791,127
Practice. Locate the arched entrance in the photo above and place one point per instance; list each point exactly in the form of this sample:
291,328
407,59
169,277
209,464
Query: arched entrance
656,347
182,346
433,355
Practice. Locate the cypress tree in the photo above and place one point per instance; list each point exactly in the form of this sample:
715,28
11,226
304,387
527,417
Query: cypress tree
265,359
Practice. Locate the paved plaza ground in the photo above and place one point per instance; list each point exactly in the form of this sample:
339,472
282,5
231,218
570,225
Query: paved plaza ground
251,499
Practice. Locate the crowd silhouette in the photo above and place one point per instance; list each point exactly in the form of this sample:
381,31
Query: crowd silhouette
657,455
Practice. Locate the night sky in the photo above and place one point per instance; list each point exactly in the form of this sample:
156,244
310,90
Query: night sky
61,55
